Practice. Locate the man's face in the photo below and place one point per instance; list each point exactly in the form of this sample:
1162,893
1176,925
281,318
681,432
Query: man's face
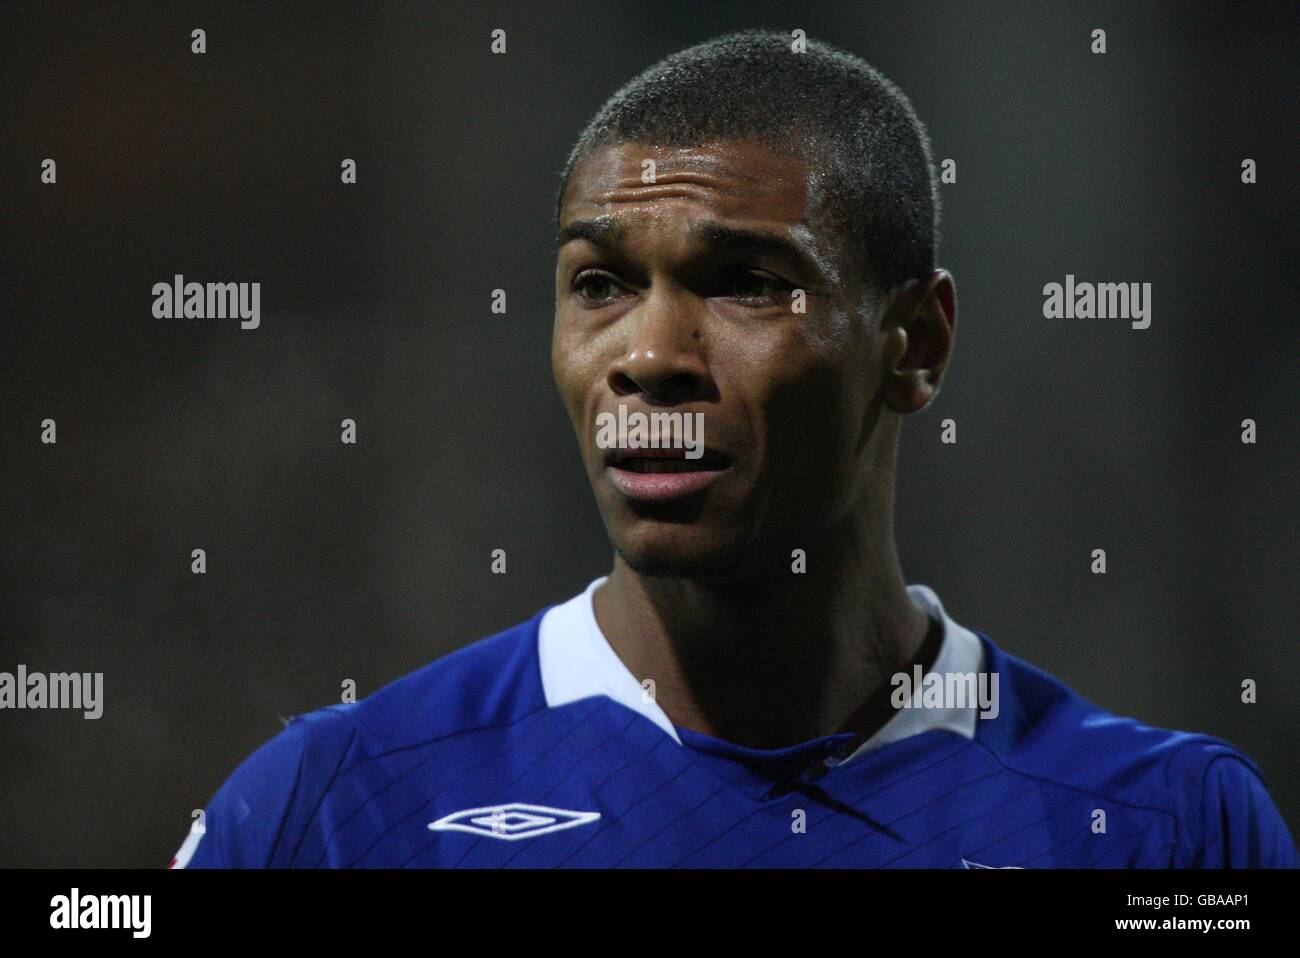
677,295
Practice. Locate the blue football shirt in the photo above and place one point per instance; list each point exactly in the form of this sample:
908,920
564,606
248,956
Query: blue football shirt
537,748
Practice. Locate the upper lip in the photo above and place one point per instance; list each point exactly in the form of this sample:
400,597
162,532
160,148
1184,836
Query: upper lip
711,457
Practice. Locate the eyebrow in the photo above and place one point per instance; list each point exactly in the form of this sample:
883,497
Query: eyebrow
605,232
602,231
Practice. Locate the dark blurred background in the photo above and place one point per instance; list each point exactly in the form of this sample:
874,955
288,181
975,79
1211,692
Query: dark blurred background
329,562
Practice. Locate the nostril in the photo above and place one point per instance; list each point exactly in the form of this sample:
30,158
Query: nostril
682,387
622,384
661,383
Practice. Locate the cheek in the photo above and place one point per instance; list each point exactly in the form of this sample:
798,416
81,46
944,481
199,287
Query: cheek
568,366
806,413
580,379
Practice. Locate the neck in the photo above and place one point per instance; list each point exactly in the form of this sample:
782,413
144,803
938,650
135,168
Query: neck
775,658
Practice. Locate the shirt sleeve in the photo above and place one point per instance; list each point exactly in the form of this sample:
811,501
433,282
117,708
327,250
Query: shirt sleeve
248,820
1237,824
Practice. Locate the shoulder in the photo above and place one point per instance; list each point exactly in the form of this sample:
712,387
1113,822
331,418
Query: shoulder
1212,792
493,681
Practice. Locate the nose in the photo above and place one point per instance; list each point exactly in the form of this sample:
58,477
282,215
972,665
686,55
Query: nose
665,360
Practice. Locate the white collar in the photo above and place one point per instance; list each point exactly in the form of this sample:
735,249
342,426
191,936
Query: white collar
578,662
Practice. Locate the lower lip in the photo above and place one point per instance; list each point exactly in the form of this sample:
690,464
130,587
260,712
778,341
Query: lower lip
661,486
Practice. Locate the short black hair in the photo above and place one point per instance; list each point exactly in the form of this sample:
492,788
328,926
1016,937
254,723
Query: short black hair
875,177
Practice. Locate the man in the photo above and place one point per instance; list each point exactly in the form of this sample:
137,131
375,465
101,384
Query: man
747,235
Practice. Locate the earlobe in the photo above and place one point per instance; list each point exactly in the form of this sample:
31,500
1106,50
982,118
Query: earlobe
910,390
914,362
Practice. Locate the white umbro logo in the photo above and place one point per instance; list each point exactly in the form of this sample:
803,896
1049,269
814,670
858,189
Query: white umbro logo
513,821
966,863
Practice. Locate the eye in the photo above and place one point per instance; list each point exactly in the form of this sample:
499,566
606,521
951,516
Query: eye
595,286
756,288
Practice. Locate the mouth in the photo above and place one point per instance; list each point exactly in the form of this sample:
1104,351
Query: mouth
658,475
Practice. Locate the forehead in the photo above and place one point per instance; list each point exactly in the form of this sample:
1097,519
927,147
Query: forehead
728,193
730,179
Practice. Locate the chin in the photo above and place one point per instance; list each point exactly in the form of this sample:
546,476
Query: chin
681,554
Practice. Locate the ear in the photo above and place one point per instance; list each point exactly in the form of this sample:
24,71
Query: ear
919,329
